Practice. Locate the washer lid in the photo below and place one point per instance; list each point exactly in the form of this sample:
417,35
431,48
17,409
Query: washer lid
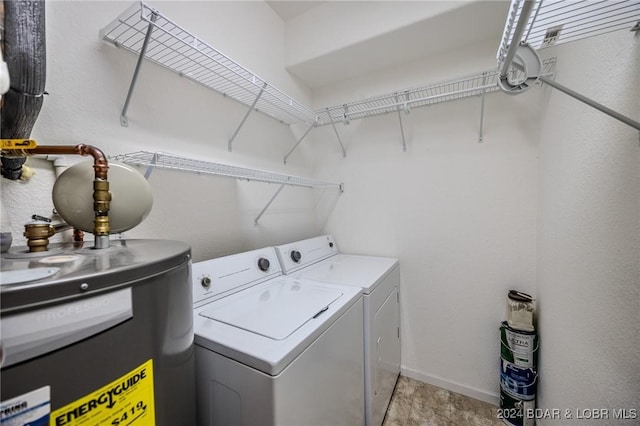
348,269
274,310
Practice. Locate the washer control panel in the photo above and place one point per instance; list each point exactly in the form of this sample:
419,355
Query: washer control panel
222,276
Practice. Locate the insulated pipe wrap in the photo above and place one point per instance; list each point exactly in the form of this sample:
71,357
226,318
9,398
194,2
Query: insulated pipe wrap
25,54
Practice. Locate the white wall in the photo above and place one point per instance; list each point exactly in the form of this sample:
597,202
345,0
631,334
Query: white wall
88,80
589,233
460,215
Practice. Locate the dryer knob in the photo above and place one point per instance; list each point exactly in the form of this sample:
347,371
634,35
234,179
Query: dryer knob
296,256
264,264
330,244
206,281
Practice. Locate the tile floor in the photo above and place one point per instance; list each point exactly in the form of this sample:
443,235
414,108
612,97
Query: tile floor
419,404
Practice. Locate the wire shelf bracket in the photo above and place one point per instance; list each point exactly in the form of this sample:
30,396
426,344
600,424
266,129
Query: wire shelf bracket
555,22
253,105
273,197
124,122
406,110
150,35
314,125
484,91
161,160
335,130
299,140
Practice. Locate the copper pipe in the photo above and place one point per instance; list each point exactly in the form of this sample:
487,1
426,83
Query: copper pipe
100,164
78,235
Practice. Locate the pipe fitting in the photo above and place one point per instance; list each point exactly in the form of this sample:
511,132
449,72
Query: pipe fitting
101,196
101,225
37,235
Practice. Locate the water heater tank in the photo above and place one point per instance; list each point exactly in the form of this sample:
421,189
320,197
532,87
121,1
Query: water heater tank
98,337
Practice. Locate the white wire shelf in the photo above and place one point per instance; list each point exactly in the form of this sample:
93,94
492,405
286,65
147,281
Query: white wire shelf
405,100
535,24
174,48
554,22
173,162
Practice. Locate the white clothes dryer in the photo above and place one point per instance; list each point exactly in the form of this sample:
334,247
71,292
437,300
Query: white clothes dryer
275,350
318,259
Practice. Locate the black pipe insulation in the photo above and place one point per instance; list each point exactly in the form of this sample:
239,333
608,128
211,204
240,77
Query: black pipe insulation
25,54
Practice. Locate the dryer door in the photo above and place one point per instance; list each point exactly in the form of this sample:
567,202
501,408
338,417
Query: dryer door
387,355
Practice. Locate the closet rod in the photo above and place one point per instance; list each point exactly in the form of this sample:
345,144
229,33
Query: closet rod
591,103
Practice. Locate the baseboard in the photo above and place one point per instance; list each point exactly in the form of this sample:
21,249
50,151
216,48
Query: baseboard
491,398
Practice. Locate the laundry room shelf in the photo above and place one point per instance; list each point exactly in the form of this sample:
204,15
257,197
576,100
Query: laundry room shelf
161,160
424,95
403,101
536,24
149,34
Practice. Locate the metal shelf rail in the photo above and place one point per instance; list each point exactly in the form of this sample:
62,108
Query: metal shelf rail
403,101
147,33
161,160
537,24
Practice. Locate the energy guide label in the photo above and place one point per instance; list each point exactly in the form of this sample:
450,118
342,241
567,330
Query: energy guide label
128,400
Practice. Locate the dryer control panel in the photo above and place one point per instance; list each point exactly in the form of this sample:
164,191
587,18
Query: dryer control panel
297,255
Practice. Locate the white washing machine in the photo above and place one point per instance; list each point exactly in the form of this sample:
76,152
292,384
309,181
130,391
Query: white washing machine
317,259
275,350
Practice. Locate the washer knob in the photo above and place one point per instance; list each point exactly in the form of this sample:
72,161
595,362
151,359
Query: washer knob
206,281
331,244
264,264
296,256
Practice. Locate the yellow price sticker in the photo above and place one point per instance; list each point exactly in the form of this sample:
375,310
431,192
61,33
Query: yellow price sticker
18,143
128,400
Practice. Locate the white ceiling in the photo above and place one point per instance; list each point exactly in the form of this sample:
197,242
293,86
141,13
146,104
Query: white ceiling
290,9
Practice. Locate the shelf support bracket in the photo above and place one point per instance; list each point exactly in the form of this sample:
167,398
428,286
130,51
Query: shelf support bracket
253,105
151,165
591,103
255,222
344,153
484,83
124,122
335,130
404,142
300,140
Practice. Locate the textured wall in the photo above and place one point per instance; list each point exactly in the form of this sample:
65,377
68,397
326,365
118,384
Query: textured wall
589,233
